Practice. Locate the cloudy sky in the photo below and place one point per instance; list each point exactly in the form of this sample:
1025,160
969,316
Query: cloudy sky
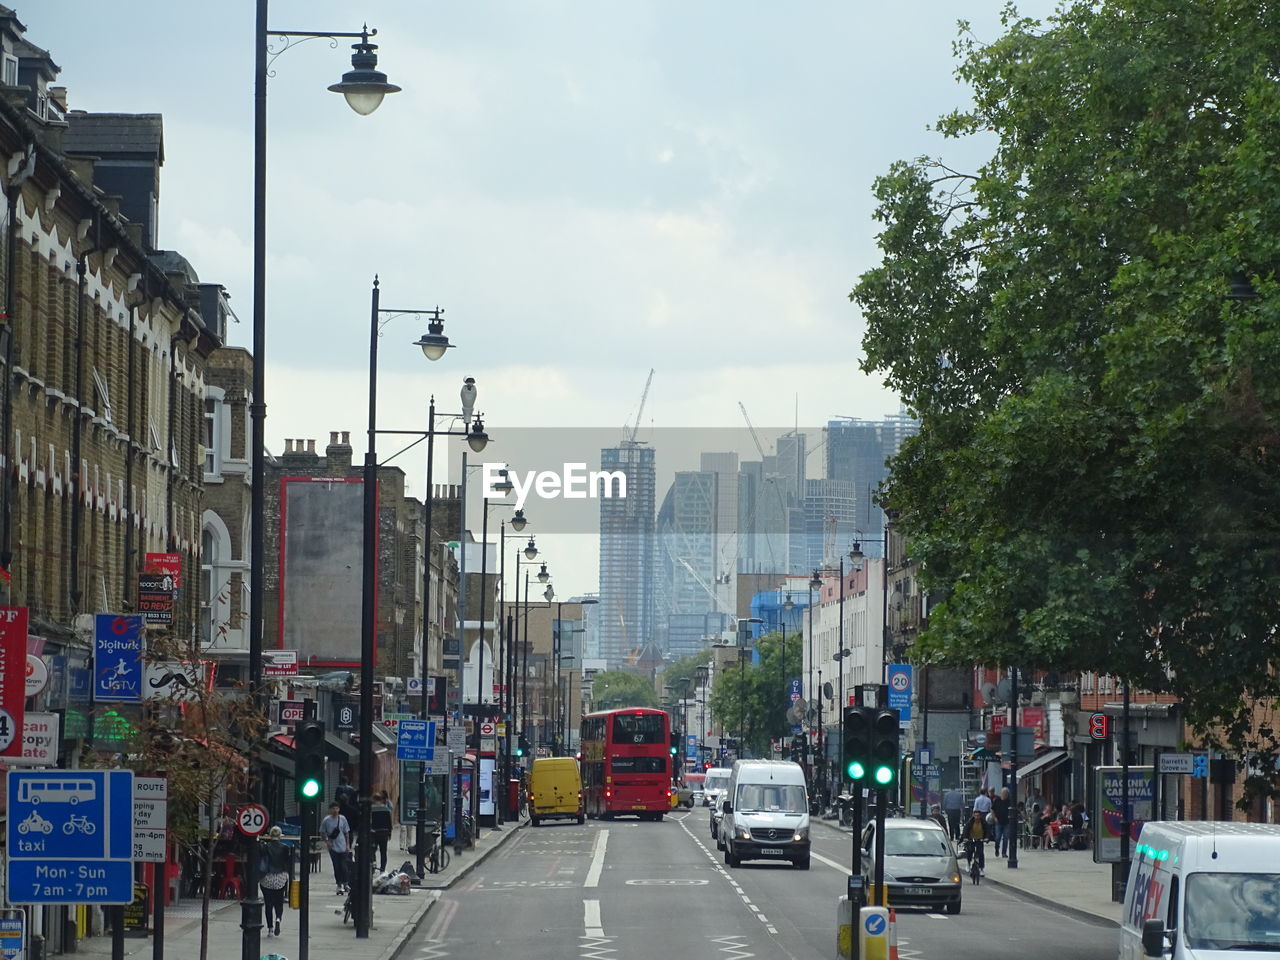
590,189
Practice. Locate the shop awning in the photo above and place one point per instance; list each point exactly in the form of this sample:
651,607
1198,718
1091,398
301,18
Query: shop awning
381,733
1043,763
335,747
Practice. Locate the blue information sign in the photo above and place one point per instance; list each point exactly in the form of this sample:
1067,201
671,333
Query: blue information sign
70,836
415,740
12,934
117,658
900,691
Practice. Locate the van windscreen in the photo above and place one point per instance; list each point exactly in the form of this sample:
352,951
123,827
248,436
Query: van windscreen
1232,911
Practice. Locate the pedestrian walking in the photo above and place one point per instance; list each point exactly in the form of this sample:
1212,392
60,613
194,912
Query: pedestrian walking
1000,807
275,867
953,807
380,827
337,837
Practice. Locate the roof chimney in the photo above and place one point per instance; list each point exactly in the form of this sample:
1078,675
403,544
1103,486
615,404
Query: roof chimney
338,454
311,446
288,446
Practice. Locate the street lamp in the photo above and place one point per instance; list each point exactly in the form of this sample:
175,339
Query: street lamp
743,656
702,674
369,609
362,85
815,583
370,82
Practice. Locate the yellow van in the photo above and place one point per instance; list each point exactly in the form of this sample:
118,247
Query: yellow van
555,790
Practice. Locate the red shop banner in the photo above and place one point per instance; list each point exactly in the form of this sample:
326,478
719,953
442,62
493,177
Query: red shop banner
13,678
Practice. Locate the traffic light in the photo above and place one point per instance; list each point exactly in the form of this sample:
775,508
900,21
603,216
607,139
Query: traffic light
522,745
857,742
885,756
675,743
309,761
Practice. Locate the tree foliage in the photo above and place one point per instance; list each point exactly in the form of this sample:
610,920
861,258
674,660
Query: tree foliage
613,689
681,676
1095,484
752,700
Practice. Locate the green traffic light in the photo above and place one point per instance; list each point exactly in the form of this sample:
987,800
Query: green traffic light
856,770
310,788
884,775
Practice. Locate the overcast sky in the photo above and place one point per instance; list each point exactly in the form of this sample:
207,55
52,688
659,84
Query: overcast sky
589,189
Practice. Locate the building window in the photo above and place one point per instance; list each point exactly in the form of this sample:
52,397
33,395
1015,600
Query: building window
10,71
101,395
211,436
208,559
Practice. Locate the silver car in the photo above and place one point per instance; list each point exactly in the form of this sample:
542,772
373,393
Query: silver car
713,787
920,867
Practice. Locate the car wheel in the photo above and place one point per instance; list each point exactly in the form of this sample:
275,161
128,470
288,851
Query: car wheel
729,858
802,864
954,907
535,821
713,829
658,816
582,818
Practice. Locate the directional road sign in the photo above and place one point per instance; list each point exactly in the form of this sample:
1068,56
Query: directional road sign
415,740
70,836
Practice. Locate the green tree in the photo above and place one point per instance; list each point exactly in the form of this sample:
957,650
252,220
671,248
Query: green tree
752,700
681,676
1095,484
611,689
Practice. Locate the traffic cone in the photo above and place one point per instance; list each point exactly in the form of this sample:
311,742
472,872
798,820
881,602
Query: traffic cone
893,934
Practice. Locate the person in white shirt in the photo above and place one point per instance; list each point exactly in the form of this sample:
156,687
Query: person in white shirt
337,837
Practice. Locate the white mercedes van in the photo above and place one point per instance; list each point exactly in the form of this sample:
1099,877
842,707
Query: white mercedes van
765,813
1203,890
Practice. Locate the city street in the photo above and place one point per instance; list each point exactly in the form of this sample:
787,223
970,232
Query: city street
628,890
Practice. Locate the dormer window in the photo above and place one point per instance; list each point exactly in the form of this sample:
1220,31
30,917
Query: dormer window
10,70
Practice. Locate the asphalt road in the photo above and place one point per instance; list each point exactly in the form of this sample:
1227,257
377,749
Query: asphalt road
627,890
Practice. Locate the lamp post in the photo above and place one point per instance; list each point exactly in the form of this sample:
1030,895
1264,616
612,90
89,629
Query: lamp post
815,583
530,553
433,345
701,674
369,596
743,656
510,624
364,87
560,714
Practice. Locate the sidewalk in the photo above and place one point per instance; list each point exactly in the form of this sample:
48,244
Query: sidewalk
394,917
1067,880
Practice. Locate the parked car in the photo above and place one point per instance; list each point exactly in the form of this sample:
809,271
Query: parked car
920,867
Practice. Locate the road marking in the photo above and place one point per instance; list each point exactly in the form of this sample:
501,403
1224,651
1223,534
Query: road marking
830,863
936,916
731,880
591,918
440,927
597,860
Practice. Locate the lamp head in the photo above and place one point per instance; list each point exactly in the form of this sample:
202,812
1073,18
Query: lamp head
477,439
503,486
531,551
856,553
788,604
543,575
364,85
434,343
518,521
549,593
816,582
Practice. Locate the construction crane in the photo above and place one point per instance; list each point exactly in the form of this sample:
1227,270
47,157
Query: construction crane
629,433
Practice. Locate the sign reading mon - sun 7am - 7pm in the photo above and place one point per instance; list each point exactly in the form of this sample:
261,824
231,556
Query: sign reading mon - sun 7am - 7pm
70,836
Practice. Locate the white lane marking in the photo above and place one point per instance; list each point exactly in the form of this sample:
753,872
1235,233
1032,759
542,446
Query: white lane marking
597,860
830,863
729,877
440,925
591,918
935,916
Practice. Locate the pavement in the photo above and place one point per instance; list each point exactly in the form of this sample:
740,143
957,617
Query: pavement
1066,880
395,918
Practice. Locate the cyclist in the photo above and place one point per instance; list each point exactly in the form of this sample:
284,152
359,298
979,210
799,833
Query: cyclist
975,832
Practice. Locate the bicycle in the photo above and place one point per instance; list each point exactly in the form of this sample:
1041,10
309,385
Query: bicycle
437,853
973,852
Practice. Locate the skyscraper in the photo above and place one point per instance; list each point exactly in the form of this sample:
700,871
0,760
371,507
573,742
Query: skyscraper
857,452
626,611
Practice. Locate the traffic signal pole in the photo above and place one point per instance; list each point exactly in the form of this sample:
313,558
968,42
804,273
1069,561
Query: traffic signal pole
309,829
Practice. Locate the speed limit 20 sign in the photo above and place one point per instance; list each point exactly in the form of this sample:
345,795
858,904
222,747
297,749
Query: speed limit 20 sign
252,820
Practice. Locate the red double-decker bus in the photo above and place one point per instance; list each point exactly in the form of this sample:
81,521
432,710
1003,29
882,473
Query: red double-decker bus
626,763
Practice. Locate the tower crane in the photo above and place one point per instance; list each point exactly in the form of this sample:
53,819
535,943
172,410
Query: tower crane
629,433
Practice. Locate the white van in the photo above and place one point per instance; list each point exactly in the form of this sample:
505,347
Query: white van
1203,890
765,813
713,787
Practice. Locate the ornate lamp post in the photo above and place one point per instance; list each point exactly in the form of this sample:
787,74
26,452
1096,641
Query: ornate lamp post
364,88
